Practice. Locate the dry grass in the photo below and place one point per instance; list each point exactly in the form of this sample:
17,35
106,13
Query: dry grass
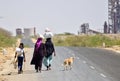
10,52
115,48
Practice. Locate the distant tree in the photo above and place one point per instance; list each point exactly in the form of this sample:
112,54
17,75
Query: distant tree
67,33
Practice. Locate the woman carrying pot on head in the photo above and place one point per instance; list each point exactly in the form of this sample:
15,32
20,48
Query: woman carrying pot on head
50,50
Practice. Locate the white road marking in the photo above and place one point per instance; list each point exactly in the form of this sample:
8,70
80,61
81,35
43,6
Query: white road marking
84,62
102,75
92,67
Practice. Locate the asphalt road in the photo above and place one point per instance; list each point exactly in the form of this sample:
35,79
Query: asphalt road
89,65
105,61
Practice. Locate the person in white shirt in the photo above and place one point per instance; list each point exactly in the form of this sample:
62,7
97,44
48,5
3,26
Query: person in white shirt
20,55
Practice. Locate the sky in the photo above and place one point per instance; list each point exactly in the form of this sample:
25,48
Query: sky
58,15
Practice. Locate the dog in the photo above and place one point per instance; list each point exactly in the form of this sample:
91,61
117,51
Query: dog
68,62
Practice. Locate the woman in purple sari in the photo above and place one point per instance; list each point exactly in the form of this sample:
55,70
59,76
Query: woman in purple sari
38,54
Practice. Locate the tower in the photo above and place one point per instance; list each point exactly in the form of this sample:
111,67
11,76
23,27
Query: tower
84,28
18,31
105,27
113,16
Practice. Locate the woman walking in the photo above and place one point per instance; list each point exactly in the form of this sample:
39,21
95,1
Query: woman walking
38,54
49,49
49,52
20,55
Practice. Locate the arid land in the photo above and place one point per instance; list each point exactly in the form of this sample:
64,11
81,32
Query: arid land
7,58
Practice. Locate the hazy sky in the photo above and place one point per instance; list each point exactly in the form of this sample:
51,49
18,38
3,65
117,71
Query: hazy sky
58,15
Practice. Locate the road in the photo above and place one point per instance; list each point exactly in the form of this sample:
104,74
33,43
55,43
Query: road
105,61
86,66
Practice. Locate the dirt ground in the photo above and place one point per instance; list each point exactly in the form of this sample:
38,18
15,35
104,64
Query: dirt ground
6,59
6,54
114,48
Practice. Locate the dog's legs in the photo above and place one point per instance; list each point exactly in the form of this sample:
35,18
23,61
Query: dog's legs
70,67
65,68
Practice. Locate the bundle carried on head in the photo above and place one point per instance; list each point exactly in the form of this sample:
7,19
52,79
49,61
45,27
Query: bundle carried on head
48,33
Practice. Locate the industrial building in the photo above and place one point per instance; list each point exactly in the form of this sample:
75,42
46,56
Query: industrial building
113,16
29,32
84,29
18,31
113,25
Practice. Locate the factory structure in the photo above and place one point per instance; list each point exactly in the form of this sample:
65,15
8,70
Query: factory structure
113,24
85,29
27,32
113,17
18,32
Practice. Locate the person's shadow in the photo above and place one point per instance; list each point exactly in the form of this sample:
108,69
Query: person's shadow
24,72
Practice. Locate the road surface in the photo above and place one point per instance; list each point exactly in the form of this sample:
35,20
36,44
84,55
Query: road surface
106,61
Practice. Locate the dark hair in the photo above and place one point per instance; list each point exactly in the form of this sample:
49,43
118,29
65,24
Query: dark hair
21,44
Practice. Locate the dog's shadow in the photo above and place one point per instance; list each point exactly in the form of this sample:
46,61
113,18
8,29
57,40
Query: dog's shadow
65,69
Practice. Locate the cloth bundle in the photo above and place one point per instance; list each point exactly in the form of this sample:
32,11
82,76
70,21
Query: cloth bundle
48,33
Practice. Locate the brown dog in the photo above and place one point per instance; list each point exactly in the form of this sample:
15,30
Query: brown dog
68,63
